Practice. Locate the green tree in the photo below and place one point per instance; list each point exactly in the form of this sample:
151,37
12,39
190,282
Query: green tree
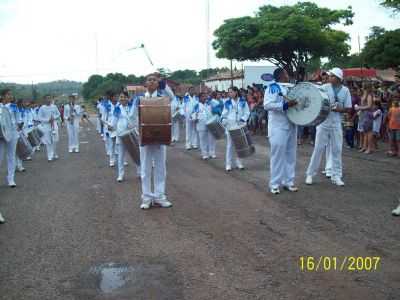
287,36
346,61
383,51
393,4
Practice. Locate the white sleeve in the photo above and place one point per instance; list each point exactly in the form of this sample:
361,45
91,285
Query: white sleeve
272,102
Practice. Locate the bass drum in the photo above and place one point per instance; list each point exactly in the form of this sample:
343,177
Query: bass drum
24,148
155,121
241,139
313,105
34,137
130,139
5,124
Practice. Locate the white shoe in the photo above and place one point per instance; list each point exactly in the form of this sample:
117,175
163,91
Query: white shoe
112,164
275,191
337,181
240,167
70,151
164,203
50,160
188,148
29,158
291,188
56,156
145,205
205,157
228,169
76,150
309,180
396,212
22,169
126,163
2,220
12,184
195,147
213,156
120,178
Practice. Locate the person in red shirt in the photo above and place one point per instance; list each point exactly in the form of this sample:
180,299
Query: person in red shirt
394,128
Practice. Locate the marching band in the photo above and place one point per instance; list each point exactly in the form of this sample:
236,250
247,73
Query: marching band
207,118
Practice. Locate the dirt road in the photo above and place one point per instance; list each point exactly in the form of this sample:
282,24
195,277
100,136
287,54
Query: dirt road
73,232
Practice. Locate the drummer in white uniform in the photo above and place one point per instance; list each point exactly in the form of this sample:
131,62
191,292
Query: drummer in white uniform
10,147
189,101
282,134
330,132
72,115
154,154
22,116
48,116
200,109
122,120
235,113
177,111
214,108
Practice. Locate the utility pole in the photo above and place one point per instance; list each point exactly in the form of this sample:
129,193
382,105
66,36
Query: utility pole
231,73
97,54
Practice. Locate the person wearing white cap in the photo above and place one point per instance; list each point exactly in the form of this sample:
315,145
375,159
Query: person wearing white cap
329,132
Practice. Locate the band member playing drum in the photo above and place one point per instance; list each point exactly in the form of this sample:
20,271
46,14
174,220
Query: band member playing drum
155,153
72,115
176,110
214,108
236,112
189,101
282,134
48,114
330,131
202,115
9,146
22,125
122,120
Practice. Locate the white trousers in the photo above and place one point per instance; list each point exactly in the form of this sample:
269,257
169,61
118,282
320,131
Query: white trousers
111,148
207,143
175,131
73,136
121,161
192,137
325,136
9,148
230,152
158,154
18,163
50,149
211,144
98,125
283,144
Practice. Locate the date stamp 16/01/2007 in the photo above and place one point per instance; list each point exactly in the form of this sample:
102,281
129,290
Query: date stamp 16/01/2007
339,263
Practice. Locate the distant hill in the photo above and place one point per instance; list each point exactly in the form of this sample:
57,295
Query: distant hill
56,88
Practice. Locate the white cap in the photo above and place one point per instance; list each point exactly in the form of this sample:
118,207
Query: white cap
336,72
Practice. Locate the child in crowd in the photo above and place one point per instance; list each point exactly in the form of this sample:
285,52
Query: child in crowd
377,122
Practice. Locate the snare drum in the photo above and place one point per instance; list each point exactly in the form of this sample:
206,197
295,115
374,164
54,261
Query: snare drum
5,124
155,121
130,139
313,105
241,139
24,148
215,127
34,137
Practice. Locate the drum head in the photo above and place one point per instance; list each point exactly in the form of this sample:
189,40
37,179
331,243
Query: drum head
5,124
311,103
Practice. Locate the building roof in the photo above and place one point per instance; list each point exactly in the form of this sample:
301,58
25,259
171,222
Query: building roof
226,76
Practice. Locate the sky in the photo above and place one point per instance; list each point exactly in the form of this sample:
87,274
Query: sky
45,40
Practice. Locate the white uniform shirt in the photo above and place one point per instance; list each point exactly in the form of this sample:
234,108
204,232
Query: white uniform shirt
77,113
235,112
334,119
274,104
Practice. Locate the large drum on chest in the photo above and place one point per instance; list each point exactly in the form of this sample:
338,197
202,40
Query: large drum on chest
313,104
130,139
34,137
215,127
24,148
5,124
155,121
241,139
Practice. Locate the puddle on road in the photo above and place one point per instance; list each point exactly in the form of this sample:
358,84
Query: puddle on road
122,281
